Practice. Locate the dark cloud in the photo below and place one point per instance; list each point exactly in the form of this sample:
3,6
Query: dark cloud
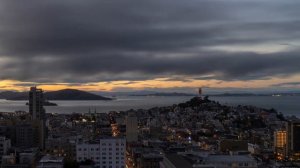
87,41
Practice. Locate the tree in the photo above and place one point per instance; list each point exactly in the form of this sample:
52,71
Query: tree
71,164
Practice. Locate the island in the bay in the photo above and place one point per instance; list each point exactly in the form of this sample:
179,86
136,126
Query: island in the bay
65,94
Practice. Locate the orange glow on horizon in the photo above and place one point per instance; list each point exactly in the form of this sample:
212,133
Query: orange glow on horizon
146,84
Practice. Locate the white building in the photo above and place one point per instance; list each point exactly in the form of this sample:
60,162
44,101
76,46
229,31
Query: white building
106,152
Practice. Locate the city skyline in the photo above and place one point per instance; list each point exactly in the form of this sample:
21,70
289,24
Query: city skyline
150,45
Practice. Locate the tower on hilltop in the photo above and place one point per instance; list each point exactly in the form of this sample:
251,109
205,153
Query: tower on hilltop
200,93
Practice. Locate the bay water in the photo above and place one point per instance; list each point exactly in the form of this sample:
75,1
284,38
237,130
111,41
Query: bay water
288,105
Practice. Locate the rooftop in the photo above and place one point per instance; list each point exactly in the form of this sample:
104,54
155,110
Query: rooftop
52,159
179,161
229,158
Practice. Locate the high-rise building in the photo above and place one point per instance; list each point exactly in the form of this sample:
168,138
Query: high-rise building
131,128
293,139
105,152
37,112
26,135
280,142
30,134
31,131
36,101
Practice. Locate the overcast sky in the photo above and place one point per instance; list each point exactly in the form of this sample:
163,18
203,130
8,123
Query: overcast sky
120,44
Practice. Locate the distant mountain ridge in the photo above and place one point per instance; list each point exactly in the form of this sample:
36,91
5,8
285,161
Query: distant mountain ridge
165,94
253,94
65,94
11,95
144,93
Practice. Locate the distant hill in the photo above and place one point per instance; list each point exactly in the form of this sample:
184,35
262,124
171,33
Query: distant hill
253,94
10,95
73,94
65,94
165,94
124,93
